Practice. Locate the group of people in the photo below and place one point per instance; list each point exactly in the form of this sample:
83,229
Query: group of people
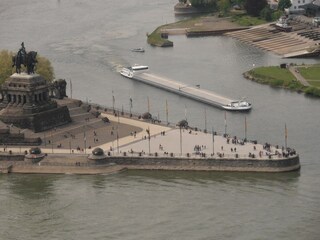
235,140
198,148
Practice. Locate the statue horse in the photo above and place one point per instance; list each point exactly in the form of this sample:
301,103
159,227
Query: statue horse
31,61
27,59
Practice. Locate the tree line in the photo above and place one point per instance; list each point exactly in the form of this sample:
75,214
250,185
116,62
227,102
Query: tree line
43,67
256,8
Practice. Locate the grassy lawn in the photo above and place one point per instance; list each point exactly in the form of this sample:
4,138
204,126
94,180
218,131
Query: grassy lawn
276,77
245,20
282,77
310,73
314,83
155,39
273,75
188,23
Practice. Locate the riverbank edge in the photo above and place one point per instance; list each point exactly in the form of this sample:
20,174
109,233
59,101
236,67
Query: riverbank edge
115,164
304,90
159,37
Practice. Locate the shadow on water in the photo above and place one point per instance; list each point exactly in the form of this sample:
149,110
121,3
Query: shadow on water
222,177
32,186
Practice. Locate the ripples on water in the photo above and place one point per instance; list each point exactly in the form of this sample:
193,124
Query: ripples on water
157,205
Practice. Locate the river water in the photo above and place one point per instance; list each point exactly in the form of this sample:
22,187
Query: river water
87,43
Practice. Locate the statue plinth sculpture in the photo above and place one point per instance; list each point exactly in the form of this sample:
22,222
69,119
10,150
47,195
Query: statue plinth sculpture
26,102
23,58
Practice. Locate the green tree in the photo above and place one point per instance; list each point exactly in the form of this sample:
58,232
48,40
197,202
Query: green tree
224,5
5,65
237,2
276,15
284,4
266,13
203,3
43,67
254,7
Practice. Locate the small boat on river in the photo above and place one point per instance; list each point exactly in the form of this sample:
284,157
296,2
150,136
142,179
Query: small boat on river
239,105
137,50
282,25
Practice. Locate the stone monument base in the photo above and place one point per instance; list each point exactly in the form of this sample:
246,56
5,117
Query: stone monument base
39,121
26,103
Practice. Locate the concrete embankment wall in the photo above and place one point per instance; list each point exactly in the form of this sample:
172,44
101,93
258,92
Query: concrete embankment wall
81,165
190,33
254,165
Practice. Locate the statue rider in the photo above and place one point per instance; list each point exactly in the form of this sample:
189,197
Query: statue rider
22,51
23,58
22,54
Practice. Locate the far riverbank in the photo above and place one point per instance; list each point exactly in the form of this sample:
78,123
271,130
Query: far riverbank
208,25
299,78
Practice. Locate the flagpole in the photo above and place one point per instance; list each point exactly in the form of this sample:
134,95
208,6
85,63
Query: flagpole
130,106
113,102
185,112
205,120
118,141
84,139
148,131
167,112
285,135
245,128
212,141
225,123
118,132
180,141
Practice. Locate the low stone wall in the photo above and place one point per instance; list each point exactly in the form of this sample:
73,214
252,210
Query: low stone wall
11,157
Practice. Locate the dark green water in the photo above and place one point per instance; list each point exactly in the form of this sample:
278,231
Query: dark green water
87,41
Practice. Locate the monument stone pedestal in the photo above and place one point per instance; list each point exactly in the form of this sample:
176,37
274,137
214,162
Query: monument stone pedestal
26,104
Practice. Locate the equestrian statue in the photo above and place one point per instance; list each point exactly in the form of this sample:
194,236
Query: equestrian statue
23,58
